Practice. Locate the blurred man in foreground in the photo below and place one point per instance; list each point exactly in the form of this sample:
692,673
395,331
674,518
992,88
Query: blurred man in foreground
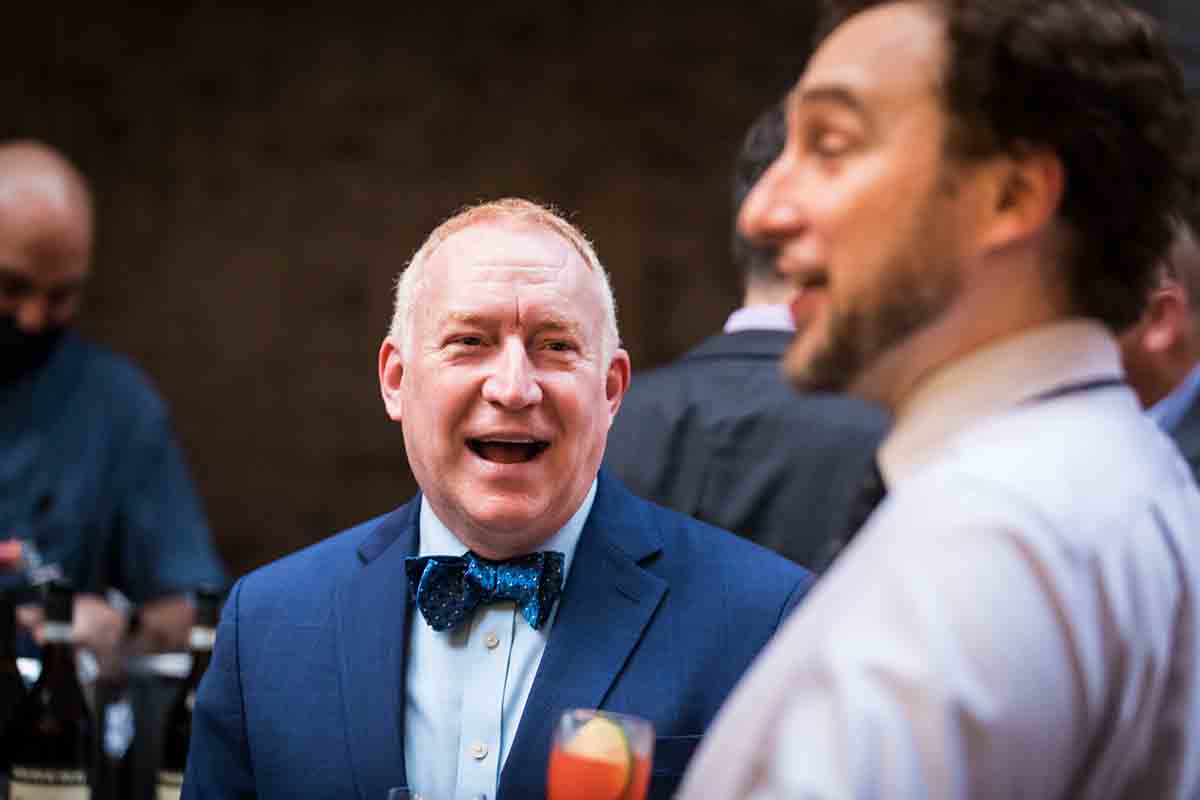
91,475
430,647
719,435
1161,353
982,190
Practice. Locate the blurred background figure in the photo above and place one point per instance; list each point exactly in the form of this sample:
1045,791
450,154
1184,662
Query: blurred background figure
91,478
719,435
1161,352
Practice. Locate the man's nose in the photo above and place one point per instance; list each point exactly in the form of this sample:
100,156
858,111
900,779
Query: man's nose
772,210
512,382
33,313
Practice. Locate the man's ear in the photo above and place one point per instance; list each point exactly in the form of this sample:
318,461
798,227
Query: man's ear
391,373
1165,319
616,381
1026,192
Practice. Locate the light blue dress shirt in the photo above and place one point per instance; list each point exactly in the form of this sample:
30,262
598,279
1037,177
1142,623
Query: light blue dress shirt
466,688
1171,410
763,317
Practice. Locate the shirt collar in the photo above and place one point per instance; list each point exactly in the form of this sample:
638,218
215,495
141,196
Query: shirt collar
1170,411
990,381
762,317
437,539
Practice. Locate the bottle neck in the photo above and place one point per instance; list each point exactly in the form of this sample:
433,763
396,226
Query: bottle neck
8,630
58,657
200,642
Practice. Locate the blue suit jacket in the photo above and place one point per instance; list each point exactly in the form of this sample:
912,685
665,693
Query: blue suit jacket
659,617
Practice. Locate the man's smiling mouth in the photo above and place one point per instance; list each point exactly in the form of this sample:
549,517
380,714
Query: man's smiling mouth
507,451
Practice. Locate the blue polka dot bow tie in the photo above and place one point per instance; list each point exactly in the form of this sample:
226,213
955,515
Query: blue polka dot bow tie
448,588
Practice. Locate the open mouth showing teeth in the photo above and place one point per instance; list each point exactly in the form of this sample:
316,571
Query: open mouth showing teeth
502,451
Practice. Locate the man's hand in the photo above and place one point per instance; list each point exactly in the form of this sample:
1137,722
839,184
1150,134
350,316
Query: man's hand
165,625
96,626
104,630
10,555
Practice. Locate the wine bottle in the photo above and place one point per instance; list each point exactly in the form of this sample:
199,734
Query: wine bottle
12,686
178,735
50,738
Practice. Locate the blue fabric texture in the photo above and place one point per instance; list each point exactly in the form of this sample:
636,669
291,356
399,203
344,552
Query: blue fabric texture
448,588
90,471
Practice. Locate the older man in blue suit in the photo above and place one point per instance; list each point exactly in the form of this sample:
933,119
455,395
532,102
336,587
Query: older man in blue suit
436,647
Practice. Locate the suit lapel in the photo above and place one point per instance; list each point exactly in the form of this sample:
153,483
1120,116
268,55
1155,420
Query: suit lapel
606,605
372,619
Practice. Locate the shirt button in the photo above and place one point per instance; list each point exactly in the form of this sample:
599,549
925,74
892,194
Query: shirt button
479,751
491,640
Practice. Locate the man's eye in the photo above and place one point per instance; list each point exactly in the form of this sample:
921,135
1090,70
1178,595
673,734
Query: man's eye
15,288
469,341
59,298
559,346
828,143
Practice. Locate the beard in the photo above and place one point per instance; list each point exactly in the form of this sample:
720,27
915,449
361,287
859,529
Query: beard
910,294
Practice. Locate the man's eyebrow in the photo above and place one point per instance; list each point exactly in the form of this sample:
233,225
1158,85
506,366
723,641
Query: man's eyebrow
462,318
555,322
835,94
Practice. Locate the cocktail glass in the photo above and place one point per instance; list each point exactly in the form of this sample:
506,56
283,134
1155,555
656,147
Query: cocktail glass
600,755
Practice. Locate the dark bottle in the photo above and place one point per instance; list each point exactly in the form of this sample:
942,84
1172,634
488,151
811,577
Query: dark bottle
178,734
50,738
12,687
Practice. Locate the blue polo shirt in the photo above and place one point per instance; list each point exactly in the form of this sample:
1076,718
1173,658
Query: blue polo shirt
91,471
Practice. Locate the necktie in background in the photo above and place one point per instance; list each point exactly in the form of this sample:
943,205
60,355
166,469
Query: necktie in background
448,588
868,497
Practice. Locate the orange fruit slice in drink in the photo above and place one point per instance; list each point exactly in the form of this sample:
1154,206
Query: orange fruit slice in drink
604,741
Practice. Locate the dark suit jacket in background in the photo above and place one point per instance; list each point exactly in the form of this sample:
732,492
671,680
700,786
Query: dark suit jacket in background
1187,437
720,436
659,617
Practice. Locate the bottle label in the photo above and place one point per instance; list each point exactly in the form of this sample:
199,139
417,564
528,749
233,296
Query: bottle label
57,633
170,785
202,638
41,783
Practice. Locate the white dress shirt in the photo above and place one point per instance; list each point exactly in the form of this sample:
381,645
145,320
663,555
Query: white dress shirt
465,689
1018,619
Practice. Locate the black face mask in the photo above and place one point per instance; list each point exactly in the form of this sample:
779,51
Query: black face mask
23,353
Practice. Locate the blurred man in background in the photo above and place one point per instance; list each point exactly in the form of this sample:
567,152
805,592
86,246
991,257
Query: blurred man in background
91,477
1161,353
982,190
719,435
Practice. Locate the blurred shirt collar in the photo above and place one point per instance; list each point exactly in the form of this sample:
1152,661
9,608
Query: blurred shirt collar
1170,411
773,317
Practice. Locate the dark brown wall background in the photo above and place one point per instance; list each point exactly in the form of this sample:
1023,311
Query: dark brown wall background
262,176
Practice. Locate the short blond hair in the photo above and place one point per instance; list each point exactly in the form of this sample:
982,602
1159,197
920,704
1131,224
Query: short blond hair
507,209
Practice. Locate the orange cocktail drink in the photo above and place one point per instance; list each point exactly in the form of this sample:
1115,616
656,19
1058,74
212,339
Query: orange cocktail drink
598,755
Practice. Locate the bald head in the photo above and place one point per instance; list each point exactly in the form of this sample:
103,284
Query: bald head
45,235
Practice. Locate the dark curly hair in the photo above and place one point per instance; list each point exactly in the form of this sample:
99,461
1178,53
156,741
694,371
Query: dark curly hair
762,145
1092,81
